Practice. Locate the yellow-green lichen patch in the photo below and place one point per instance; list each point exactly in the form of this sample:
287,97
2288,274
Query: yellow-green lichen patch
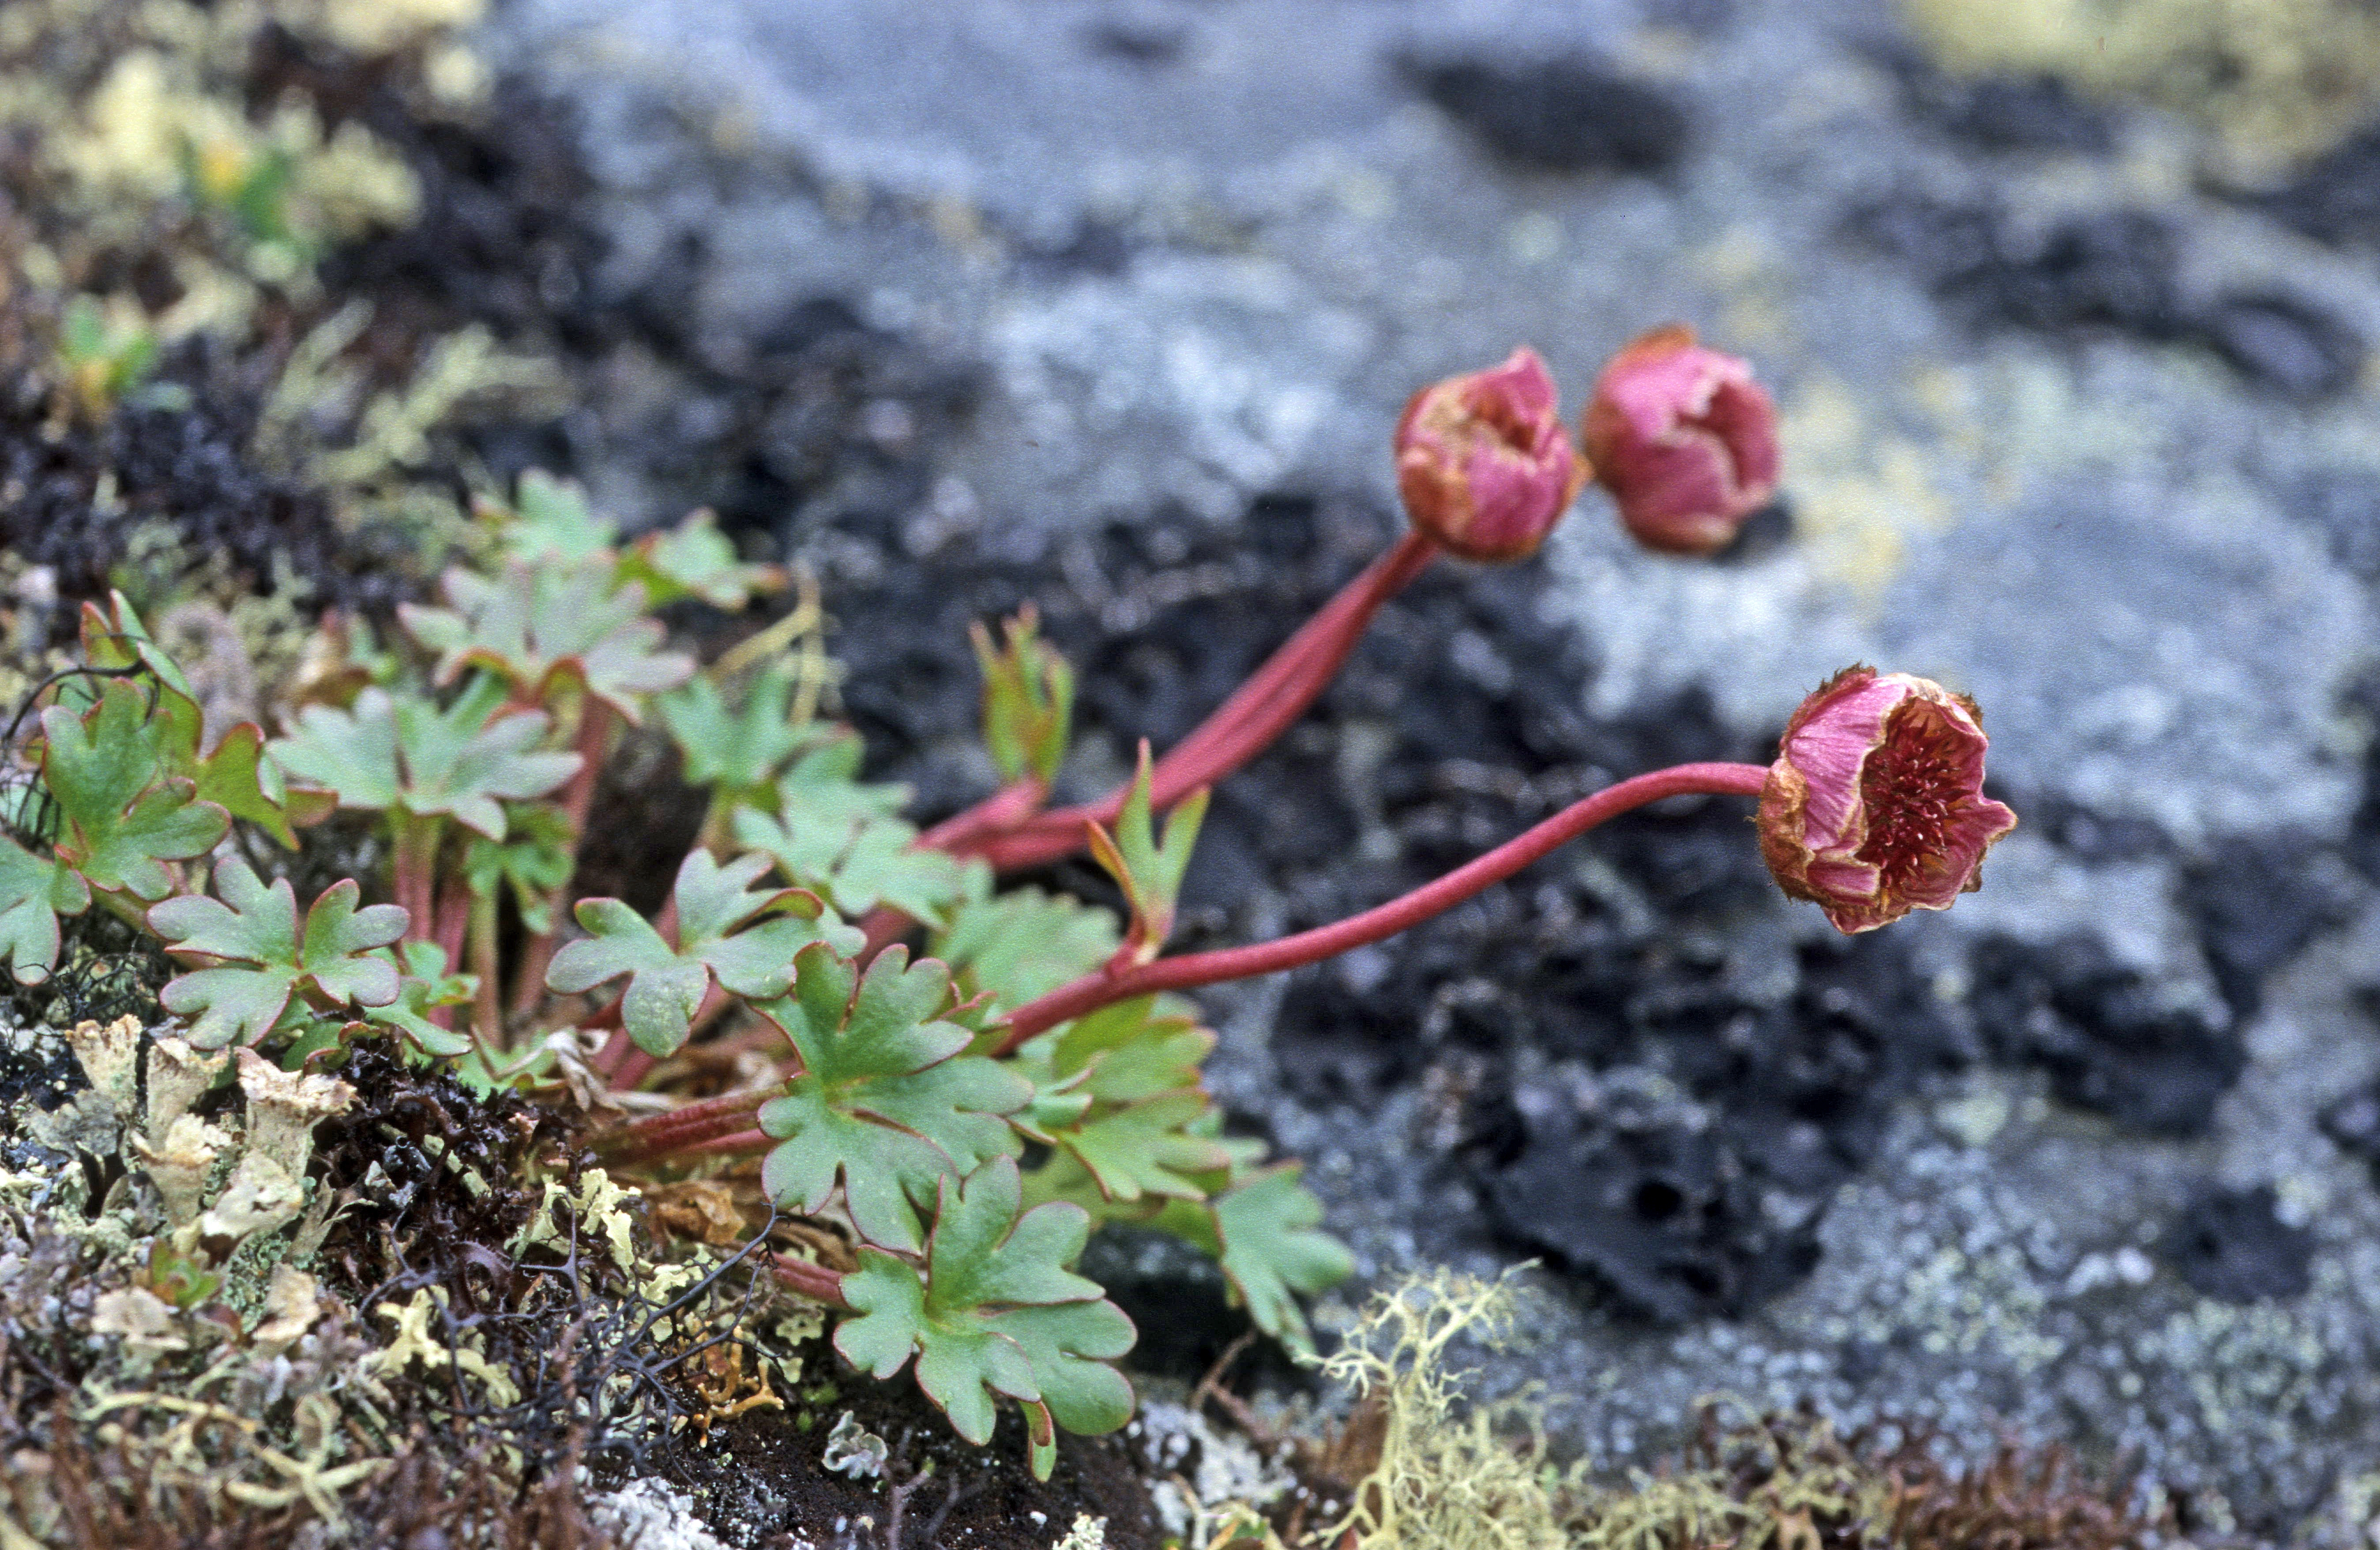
2277,78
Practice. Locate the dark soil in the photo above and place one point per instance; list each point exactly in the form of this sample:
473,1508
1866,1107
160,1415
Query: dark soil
762,1475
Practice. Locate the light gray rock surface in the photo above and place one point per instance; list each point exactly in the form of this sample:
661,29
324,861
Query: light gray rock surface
1206,248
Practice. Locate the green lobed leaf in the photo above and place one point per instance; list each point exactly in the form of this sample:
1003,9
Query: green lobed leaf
837,836
739,751
1147,869
888,1104
1143,1149
463,762
1133,1049
35,890
696,560
666,983
424,987
1118,1093
995,1311
121,814
536,856
1024,943
1262,1231
550,519
541,627
234,775
261,967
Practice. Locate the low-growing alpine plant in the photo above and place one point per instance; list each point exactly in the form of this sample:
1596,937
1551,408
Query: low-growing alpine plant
959,1080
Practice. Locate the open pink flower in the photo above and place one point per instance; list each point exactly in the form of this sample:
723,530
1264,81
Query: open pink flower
1876,804
1684,441
1483,462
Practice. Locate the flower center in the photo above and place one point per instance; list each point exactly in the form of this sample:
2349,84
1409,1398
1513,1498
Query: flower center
1498,413
1914,786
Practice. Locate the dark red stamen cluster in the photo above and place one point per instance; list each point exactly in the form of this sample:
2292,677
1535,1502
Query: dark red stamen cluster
1913,787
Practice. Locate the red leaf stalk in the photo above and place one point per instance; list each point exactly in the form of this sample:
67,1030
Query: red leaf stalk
657,1135
813,1281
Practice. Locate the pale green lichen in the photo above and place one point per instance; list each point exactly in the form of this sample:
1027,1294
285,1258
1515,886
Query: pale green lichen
1450,1475
1085,1534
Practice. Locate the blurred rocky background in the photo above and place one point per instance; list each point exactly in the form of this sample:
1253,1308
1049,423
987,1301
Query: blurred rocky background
2067,304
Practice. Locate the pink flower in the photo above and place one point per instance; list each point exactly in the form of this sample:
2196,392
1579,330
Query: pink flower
1876,804
1483,462
1683,439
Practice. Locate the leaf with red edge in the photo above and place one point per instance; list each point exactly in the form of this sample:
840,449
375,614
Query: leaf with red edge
463,762
541,627
232,774
888,1102
995,1311
667,983
262,970
121,815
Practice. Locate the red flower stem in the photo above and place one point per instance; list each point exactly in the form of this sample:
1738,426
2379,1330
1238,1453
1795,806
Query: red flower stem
1003,809
657,1135
1243,726
1300,670
413,846
1248,722
814,1281
1098,989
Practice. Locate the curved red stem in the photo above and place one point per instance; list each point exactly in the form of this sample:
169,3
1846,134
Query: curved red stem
1243,726
1097,990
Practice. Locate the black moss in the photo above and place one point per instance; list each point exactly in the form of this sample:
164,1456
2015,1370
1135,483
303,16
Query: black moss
2258,900
76,494
436,1180
2281,341
1996,113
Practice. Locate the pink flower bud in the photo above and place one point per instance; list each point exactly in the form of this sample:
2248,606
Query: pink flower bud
1683,439
1876,804
1483,462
